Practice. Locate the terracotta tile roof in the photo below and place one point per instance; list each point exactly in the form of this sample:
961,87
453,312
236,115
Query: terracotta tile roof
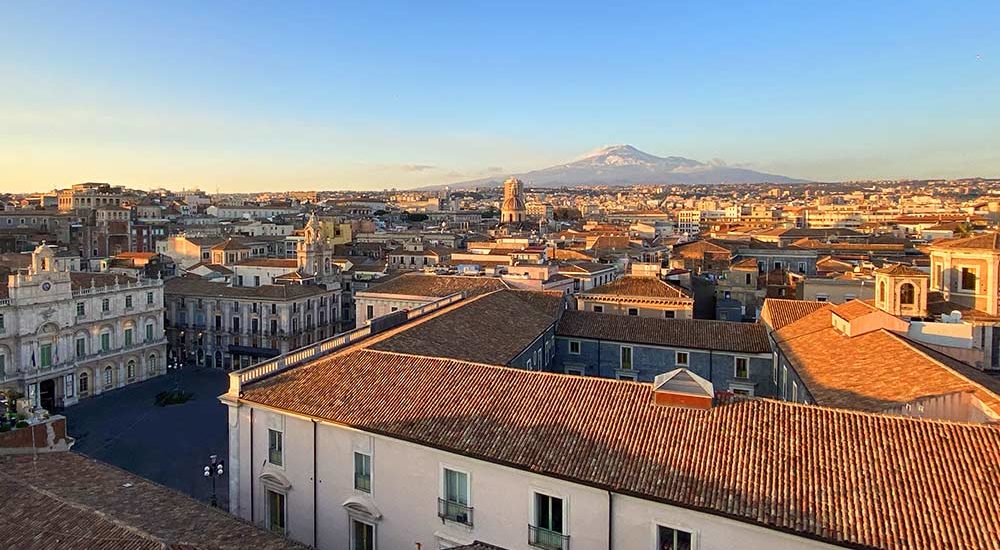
777,312
902,270
746,263
196,286
436,286
231,244
849,311
218,268
986,241
684,333
81,279
637,287
584,267
67,501
874,371
493,328
844,477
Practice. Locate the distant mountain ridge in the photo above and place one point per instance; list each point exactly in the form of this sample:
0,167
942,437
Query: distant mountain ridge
619,165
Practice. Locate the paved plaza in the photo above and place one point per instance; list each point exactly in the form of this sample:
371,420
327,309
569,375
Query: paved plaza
169,445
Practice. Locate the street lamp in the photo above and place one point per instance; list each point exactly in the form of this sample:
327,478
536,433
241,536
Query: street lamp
214,470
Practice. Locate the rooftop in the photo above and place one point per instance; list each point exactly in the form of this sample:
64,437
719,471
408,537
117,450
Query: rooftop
67,501
639,287
435,286
844,477
986,241
873,371
777,312
196,286
685,333
493,328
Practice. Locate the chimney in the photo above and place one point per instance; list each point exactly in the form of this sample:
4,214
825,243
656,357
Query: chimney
682,388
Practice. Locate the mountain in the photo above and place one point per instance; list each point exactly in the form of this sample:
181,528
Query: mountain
626,165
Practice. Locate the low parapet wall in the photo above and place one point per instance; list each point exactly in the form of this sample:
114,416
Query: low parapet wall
44,437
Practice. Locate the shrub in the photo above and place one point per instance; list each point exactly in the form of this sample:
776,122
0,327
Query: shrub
21,424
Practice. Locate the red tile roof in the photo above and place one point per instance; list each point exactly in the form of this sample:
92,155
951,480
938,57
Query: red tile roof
66,501
843,477
494,328
637,287
684,333
874,371
987,241
777,312
435,286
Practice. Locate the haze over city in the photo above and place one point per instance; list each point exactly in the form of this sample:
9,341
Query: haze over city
236,96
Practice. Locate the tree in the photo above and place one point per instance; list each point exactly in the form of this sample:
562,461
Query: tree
416,217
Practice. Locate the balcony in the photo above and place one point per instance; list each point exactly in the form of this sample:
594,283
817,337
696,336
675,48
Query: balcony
454,511
540,537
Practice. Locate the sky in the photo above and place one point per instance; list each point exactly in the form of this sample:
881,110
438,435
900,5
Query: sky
255,96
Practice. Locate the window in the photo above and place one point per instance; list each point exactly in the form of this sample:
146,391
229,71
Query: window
454,505
598,309
784,381
626,358
81,347
3,324
633,312
275,447
149,298
108,377
938,276
276,511
363,472
128,337
575,371
742,367
774,369
81,309
128,301
968,278
547,532
362,535
669,314
574,347
84,383
256,280
681,359
777,266
369,312
45,355
822,297
669,538
747,278
907,294
795,391
130,370
105,305
881,292
105,341
149,332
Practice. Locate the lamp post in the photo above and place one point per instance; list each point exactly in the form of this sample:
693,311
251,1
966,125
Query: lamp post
214,469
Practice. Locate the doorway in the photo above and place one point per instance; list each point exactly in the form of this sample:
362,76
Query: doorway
47,394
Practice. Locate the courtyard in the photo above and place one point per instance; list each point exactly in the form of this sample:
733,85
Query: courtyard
169,445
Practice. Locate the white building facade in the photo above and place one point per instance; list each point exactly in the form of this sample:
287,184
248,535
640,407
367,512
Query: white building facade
67,336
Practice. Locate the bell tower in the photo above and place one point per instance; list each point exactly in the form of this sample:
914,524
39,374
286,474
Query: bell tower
901,290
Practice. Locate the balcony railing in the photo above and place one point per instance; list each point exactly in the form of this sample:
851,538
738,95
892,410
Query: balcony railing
454,511
539,537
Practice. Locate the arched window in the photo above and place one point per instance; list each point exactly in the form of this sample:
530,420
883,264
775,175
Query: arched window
130,369
151,363
84,383
881,292
108,376
906,294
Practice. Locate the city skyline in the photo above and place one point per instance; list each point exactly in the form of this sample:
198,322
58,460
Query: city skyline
234,98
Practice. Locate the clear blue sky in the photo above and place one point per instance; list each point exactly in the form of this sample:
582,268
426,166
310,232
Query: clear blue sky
292,95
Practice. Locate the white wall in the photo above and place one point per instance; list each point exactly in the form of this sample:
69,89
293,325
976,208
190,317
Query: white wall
406,483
